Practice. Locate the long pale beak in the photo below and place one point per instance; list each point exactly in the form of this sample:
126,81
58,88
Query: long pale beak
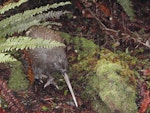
70,88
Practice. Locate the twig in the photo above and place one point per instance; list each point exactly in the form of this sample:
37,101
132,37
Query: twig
109,31
103,27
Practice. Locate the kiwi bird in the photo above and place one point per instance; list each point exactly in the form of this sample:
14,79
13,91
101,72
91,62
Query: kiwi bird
46,61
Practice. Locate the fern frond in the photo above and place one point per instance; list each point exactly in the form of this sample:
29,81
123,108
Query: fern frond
29,13
36,20
23,42
6,58
56,5
127,6
51,14
19,27
11,6
52,23
15,20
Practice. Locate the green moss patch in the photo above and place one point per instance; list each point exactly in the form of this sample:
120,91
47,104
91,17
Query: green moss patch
18,80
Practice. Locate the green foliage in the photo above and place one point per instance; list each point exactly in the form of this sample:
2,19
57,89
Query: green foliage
22,21
12,6
50,14
127,6
6,58
81,45
22,42
86,52
18,80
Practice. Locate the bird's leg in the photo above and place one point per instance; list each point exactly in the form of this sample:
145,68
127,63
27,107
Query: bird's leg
51,81
40,77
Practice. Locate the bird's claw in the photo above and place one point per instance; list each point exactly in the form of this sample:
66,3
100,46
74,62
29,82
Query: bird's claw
51,81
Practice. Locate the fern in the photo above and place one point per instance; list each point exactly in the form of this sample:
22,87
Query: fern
9,30
22,42
22,21
29,13
50,14
127,6
17,23
6,58
11,6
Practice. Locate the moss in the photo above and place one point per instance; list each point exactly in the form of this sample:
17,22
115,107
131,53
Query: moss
121,60
83,46
87,52
112,88
100,106
112,84
18,80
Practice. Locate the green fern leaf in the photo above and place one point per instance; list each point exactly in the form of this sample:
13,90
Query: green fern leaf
55,5
127,6
23,42
6,58
29,13
19,27
22,21
50,14
11,6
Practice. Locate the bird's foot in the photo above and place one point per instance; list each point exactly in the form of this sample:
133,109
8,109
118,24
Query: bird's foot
51,81
41,77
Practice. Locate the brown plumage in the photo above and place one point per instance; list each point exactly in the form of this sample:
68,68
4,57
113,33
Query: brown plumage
47,61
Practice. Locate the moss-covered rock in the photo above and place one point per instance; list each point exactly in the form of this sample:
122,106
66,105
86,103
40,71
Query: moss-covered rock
113,89
18,80
112,84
